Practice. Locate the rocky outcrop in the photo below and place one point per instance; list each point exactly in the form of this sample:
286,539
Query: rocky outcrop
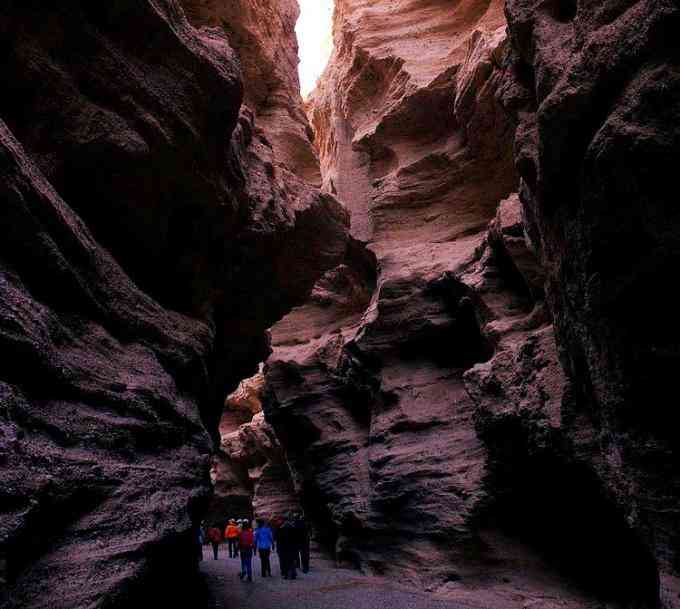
428,417
368,393
262,32
144,215
596,91
467,385
249,472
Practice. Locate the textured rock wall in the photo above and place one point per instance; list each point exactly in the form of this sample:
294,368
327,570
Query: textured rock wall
247,474
596,90
428,415
249,471
367,391
262,32
143,214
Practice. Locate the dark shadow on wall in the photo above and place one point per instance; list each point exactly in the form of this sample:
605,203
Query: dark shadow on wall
557,506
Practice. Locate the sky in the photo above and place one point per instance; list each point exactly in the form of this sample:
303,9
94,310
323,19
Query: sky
315,40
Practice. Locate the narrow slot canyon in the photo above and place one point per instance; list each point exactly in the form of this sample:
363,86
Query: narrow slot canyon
398,267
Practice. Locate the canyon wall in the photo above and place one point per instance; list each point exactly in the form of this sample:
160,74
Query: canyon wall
249,471
149,230
438,430
471,357
595,88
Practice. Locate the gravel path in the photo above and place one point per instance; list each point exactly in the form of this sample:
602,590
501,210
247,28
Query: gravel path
325,587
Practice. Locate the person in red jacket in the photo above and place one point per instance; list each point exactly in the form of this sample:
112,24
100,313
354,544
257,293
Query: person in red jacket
215,539
246,543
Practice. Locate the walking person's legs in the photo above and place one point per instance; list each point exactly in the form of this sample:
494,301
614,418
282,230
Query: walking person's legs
216,549
304,555
283,564
291,564
242,574
265,569
249,565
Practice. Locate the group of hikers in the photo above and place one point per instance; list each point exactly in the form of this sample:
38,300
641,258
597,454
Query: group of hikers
289,537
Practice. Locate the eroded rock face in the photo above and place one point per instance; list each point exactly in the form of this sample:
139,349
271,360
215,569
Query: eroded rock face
104,456
429,418
143,216
249,471
368,396
596,89
262,32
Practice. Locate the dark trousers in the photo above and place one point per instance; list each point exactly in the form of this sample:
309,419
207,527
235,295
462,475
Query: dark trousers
304,558
216,548
266,567
233,547
288,566
247,564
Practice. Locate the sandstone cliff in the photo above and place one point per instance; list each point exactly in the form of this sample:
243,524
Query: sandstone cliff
144,216
471,358
250,472
429,417
595,88
262,32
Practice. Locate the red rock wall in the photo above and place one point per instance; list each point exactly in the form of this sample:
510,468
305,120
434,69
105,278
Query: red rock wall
144,217
428,417
596,90
249,470
262,32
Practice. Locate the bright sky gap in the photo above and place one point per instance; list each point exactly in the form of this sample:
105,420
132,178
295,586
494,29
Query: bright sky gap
315,41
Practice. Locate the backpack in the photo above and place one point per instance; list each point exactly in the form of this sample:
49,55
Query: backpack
245,540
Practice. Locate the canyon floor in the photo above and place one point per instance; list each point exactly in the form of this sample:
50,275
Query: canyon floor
329,587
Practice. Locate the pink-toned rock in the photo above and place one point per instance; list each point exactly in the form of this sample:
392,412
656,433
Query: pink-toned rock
426,424
262,32
144,216
249,471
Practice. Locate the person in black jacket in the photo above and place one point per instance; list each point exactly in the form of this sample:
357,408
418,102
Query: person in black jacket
302,542
286,547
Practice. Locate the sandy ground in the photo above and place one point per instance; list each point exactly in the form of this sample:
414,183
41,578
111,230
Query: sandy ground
325,587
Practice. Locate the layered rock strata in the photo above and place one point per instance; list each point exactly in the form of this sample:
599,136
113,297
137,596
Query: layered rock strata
367,393
429,417
144,217
262,33
249,471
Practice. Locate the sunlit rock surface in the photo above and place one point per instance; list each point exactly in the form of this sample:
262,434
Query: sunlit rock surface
429,417
262,32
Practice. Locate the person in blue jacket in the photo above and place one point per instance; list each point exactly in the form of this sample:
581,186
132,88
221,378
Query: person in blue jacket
264,541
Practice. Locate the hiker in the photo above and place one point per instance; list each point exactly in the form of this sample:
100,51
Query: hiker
301,543
215,539
285,544
232,533
246,543
200,541
264,540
